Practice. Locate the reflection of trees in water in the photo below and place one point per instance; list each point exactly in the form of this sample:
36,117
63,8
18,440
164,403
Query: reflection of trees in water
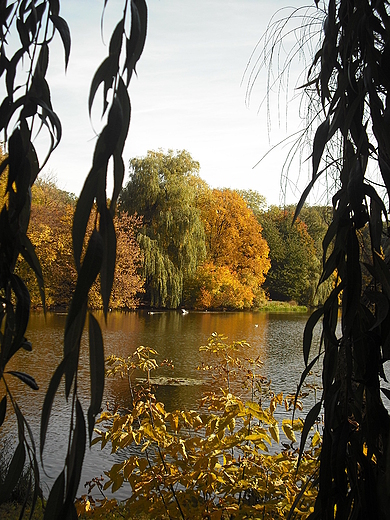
276,339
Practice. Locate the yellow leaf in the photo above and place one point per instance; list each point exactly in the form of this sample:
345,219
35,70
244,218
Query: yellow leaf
274,431
316,439
288,430
128,468
142,464
256,437
117,483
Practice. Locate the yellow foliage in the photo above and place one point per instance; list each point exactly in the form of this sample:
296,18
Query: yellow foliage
237,254
222,462
50,232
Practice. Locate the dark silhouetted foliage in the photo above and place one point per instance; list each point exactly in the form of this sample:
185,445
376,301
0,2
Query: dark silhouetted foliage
25,110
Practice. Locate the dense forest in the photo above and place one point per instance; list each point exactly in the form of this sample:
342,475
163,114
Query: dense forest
182,243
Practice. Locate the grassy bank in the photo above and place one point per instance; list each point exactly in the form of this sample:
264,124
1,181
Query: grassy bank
272,306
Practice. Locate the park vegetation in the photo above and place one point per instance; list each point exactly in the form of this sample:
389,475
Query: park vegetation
348,89
230,458
182,244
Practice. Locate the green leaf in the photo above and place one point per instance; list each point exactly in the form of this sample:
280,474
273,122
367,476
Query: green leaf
76,457
308,332
305,194
55,502
10,78
113,130
81,215
136,42
33,162
54,6
21,423
309,421
72,340
303,378
331,265
28,253
116,38
381,306
119,174
43,61
3,409
107,231
27,379
23,33
96,363
382,273
37,489
105,74
351,297
124,100
329,235
62,27
13,474
48,401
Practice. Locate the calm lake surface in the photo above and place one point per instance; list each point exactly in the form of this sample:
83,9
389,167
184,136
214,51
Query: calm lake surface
275,338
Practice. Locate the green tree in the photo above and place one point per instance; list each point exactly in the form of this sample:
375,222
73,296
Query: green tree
161,191
255,201
26,111
293,257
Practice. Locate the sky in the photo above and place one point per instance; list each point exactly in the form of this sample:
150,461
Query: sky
190,92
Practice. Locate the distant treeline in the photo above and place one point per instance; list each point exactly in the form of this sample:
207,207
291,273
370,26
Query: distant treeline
181,243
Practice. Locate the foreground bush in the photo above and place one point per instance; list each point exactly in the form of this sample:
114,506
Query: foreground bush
217,462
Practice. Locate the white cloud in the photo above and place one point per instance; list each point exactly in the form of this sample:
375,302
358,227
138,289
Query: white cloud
188,92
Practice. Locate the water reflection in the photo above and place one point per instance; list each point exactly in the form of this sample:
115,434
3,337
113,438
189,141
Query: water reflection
275,338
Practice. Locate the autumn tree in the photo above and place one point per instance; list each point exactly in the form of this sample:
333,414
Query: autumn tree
128,283
163,189
237,254
50,232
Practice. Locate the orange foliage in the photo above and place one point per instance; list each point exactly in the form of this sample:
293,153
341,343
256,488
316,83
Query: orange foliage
50,232
219,287
127,281
237,254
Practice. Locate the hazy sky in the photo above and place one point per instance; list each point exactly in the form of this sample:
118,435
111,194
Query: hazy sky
190,92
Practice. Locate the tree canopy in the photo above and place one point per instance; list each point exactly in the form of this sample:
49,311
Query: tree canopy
293,260
161,190
236,254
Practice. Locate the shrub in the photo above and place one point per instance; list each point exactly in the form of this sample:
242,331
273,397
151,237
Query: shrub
220,460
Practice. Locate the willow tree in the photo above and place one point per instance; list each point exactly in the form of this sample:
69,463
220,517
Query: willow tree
27,29
162,189
348,85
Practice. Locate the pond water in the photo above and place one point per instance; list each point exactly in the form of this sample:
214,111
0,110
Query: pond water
275,338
